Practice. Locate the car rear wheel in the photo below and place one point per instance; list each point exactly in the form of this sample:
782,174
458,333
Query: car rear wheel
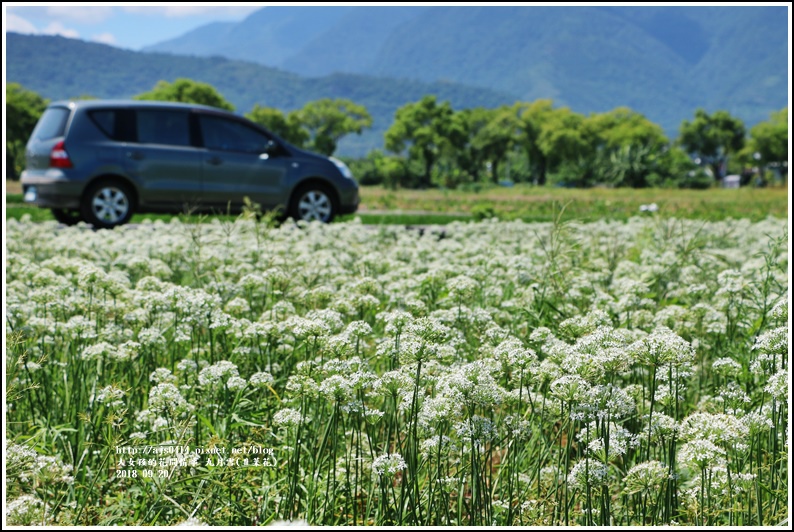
313,202
67,216
107,204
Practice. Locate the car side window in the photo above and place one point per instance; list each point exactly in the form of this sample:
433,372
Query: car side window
163,127
230,135
105,119
116,124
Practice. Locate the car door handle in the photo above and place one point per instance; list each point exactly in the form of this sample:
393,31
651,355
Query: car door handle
214,161
135,155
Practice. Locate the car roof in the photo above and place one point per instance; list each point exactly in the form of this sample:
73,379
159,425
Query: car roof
151,104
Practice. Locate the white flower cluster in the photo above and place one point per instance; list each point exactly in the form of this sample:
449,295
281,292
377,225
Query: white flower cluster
220,374
27,510
617,341
646,477
110,396
261,379
165,399
588,473
191,522
388,465
286,417
702,454
28,466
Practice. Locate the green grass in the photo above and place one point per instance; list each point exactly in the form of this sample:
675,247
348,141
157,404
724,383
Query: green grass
406,218
36,214
16,212
380,206
536,204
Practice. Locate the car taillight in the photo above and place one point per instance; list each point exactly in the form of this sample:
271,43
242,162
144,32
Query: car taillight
59,158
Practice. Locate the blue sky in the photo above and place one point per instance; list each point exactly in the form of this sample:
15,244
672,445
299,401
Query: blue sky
130,26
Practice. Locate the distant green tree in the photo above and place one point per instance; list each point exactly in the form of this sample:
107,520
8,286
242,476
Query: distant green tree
492,134
85,97
568,147
533,117
675,168
469,156
188,91
392,169
769,140
23,109
288,126
629,165
628,146
712,138
424,128
378,168
623,127
455,166
327,121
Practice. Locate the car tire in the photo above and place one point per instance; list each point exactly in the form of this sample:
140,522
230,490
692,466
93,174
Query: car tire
67,216
313,202
107,204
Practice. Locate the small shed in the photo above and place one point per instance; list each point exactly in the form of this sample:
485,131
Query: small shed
731,181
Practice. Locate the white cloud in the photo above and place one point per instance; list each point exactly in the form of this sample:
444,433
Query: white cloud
178,11
104,38
56,28
18,24
81,14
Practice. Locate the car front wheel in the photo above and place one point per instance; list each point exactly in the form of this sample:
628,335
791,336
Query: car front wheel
313,203
107,204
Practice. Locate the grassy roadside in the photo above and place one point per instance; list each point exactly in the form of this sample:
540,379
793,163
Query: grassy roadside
544,203
531,204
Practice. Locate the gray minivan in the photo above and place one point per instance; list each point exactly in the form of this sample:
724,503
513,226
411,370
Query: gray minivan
101,161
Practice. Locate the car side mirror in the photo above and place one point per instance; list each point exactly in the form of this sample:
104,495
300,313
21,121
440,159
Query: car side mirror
270,150
271,147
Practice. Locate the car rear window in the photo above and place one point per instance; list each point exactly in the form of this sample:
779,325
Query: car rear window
51,124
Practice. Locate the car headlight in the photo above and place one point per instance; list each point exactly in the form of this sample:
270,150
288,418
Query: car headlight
342,167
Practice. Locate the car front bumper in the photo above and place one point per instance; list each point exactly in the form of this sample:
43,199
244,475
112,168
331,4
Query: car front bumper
348,203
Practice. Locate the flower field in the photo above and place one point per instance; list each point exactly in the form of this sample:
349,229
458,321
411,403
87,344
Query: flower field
508,373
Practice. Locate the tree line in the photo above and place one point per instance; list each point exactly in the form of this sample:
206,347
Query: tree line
431,144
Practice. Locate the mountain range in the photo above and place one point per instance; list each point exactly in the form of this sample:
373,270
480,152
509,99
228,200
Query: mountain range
662,61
